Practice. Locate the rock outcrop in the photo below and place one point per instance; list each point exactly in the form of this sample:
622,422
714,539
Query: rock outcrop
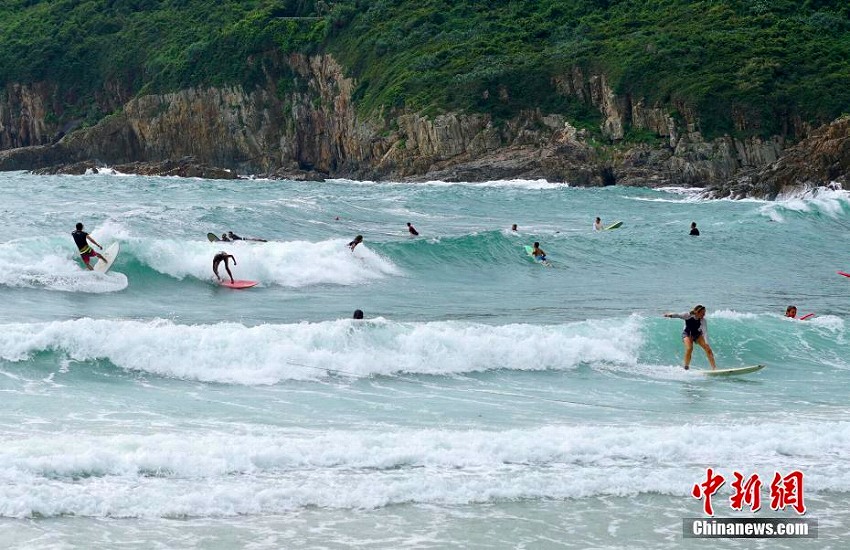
821,159
304,125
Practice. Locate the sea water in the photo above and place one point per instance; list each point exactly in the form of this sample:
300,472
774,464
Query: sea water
486,401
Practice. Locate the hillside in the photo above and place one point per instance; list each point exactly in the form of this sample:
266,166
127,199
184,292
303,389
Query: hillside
744,69
764,61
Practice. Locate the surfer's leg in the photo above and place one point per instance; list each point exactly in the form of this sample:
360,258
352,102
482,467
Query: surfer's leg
227,267
708,353
87,260
689,350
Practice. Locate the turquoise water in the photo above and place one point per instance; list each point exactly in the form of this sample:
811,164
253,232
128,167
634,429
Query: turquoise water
486,401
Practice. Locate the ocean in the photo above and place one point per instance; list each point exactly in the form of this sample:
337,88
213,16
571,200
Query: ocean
485,401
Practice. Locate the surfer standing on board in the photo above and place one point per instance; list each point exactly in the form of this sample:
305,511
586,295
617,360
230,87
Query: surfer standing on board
223,257
82,240
696,330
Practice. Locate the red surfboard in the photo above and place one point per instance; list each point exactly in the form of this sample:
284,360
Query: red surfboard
807,316
843,273
239,283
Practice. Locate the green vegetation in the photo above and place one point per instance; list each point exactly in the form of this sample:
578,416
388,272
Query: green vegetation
760,60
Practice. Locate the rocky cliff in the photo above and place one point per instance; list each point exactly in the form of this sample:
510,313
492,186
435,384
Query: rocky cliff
821,159
306,123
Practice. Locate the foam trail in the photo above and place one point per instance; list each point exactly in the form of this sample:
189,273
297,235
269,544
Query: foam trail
292,263
52,265
225,474
267,354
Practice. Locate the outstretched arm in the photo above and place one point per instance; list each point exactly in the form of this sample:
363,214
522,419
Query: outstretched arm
677,315
91,239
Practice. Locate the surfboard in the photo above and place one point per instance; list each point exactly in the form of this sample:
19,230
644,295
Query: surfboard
807,316
530,251
615,225
731,372
844,273
239,283
213,237
110,254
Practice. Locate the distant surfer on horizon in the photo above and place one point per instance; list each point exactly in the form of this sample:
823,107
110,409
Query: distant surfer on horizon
223,257
357,240
694,231
597,225
412,230
696,330
513,227
82,240
358,314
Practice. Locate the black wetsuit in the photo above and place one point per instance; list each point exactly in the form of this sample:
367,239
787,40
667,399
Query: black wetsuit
693,328
81,241
694,232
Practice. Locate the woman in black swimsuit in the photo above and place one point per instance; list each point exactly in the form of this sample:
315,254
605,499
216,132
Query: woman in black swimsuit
696,330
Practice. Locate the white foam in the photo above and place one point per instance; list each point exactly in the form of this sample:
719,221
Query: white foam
51,265
274,470
267,354
831,201
514,183
292,263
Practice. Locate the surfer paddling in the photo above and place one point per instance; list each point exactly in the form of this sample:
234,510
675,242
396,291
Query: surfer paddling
791,312
412,230
696,330
223,257
82,240
538,253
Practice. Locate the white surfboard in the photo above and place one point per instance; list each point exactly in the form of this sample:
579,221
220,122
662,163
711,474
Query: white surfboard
732,372
110,254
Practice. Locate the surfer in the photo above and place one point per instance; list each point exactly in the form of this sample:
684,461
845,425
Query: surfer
357,240
223,257
538,252
597,225
513,227
696,330
694,231
358,314
412,230
791,311
82,240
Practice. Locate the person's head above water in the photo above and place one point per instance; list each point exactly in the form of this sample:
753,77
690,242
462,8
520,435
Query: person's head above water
598,219
791,311
536,244
513,227
358,238
79,226
693,225
358,314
